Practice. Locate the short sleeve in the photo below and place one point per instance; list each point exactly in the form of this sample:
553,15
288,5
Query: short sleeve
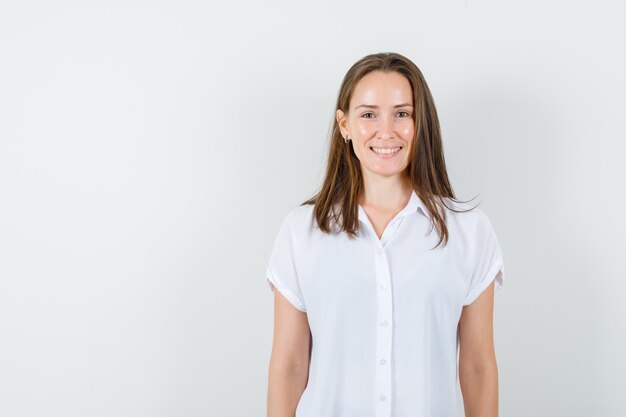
281,270
486,258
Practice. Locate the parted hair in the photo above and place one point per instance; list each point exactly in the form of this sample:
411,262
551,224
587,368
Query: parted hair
337,199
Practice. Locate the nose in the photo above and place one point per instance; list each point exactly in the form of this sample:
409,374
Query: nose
385,127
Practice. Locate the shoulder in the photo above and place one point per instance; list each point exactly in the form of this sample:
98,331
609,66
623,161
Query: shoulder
300,218
468,217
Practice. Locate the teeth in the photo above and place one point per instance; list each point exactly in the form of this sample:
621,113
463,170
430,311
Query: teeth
385,151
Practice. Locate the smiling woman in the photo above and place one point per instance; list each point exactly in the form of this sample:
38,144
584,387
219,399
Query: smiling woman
371,307
381,133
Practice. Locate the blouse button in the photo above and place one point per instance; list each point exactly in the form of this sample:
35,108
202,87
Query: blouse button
382,362
384,323
382,398
379,250
383,286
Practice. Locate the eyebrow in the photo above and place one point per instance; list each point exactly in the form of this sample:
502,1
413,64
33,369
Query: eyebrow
375,107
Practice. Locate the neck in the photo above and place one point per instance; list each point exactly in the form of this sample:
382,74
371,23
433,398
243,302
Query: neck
385,193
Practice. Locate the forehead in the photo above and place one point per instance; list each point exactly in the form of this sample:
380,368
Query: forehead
380,88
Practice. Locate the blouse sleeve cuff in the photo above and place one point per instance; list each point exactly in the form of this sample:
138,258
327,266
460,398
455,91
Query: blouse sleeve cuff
272,282
495,272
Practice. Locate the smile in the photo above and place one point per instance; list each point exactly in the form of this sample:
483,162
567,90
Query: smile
386,152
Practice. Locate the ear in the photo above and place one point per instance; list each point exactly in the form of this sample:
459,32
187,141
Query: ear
342,121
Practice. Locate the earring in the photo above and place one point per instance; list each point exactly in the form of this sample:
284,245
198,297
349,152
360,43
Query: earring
346,139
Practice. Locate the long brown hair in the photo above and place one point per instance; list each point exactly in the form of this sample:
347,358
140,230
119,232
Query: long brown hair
337,199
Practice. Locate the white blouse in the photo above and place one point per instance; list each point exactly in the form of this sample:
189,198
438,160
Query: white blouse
384,313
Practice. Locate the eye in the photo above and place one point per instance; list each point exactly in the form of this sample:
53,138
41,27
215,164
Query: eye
364,114
407,113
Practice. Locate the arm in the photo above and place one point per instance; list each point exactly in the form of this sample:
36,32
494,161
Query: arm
478,371
289,361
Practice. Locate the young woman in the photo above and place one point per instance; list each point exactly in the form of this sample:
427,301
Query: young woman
372,307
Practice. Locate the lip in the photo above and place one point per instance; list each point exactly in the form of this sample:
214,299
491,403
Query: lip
387,147
386,156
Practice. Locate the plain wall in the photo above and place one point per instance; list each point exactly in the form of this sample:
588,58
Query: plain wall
150,149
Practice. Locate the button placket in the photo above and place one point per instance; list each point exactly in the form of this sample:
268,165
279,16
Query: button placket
384,334
384,330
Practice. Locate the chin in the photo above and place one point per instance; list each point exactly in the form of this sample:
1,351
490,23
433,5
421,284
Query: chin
388,172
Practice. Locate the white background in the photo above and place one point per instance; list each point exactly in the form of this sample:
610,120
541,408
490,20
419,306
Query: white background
149,151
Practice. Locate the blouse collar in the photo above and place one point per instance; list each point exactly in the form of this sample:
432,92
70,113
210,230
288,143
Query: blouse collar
415,203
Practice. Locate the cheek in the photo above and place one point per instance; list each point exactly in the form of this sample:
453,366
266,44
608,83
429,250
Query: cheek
364,128
407,129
